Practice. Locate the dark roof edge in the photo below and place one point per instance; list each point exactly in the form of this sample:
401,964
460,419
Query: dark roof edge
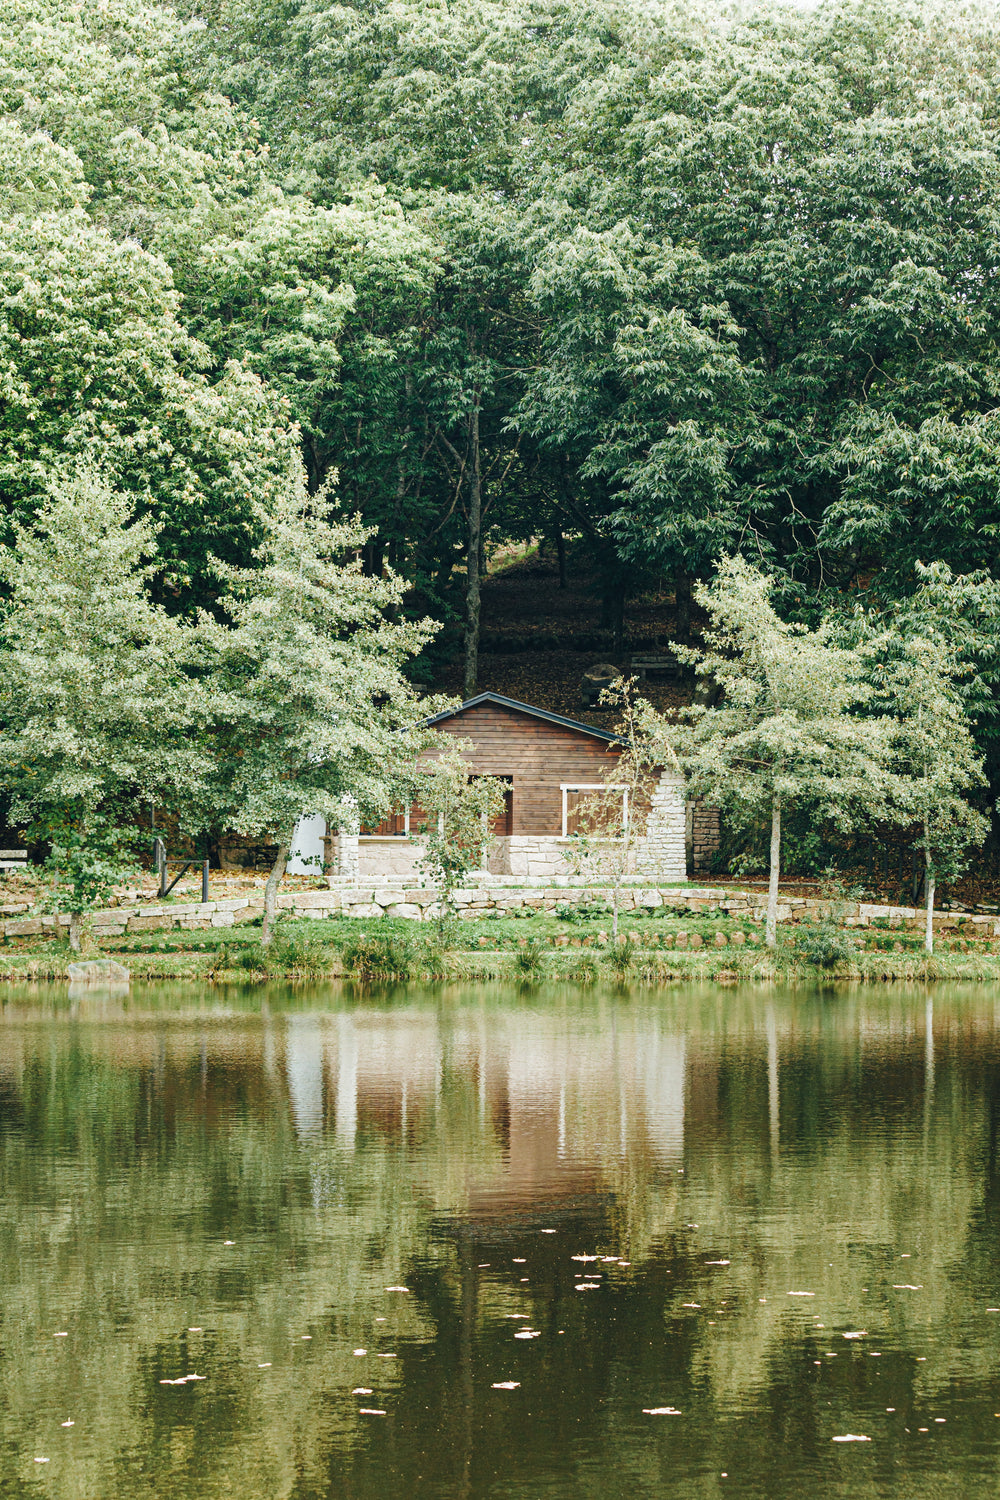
526,708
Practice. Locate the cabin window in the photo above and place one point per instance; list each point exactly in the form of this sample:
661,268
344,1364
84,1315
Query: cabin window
574,795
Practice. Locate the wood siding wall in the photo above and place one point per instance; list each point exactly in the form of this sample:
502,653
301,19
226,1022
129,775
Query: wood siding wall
538,757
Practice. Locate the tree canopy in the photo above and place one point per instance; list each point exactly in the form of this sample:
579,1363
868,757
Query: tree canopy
682,282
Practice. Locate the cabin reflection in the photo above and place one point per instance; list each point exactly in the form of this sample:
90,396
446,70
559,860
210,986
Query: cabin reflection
556,1105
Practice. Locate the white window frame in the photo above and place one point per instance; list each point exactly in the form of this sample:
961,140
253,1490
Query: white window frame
565,787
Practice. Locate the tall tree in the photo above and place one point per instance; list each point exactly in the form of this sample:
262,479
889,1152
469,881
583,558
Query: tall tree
792,722
309,702
100,711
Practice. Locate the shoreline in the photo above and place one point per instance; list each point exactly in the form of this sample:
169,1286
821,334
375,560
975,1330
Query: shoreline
583,967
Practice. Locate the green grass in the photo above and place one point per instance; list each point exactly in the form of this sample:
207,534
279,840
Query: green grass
548,945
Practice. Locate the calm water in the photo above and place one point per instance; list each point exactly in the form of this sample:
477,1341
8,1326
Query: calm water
471,1242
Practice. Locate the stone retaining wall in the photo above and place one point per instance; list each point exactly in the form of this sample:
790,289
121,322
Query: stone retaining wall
490,894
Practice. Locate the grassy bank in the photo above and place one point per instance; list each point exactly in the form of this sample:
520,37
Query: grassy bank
569,945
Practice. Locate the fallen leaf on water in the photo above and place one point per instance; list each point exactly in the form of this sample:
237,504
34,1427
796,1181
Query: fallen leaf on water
67,1424
801,1294
548,1231
397,1288
905,1286
851,1437
194,1330
584,1257
370,1411
506,1385
361,1351
527,1333
862,1333
265,1366
721,1263
385,1356
41,1460
62,1335
690,1304
362,1390
661,1411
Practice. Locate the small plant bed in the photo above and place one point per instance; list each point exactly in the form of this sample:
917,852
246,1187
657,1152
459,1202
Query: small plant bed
662,946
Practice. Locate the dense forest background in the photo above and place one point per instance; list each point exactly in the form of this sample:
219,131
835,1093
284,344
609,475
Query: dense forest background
654,282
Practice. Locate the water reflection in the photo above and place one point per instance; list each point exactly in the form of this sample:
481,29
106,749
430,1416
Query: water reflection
470,1242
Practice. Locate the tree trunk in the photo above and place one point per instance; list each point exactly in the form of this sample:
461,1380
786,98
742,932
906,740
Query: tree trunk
561,554
682,611
271,890
472,559
771,930
75,923
929,886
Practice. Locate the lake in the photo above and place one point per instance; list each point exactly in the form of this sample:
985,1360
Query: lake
474,1241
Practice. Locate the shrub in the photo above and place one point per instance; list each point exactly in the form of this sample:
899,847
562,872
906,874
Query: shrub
384,955
529,959
620,958
582,911
823,944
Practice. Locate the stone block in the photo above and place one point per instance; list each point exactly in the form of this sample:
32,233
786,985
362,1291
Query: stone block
24,928
304,899
407,909
248,914
145,924
221,919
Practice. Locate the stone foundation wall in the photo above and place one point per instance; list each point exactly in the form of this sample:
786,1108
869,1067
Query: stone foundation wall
661,852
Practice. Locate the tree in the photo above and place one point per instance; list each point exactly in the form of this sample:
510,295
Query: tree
612,821
96,701
791,723
309,702
460,809
917,676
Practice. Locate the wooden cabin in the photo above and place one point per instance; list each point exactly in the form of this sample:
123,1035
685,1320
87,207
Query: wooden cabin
549,764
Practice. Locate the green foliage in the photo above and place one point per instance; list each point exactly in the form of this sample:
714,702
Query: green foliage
378,955
310,710
529,959
98,708
793,721
460,812
583,911
290,953
620,958
823,943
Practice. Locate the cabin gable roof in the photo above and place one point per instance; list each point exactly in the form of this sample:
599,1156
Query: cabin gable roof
497,700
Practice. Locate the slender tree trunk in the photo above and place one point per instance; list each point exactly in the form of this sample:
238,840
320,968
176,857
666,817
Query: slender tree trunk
472,559
771,930
561,554
271,890
75,923
682,597
929,886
